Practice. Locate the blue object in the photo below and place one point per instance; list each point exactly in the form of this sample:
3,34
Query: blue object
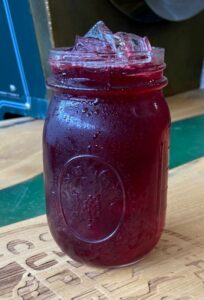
22,84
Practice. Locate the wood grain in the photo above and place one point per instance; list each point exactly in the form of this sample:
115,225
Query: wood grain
21,149
186,105
33,267
15,121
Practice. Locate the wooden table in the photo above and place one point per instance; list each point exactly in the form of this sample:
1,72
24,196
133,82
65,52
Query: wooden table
33,267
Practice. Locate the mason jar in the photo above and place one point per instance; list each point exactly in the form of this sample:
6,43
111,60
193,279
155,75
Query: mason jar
105,151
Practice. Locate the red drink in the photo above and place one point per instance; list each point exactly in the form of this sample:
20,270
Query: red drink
106,141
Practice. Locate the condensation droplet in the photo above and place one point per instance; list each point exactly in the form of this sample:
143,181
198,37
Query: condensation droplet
155,105
96,135
84,110
96,101
96,112
90,226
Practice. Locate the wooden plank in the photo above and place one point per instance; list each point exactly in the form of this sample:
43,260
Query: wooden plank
32,266
15,121
21,150
186,105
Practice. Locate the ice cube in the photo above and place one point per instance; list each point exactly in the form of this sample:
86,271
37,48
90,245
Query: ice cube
130,43
99,39
98,31
101,32
93,45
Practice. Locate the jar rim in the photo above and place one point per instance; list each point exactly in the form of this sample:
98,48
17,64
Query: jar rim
67,56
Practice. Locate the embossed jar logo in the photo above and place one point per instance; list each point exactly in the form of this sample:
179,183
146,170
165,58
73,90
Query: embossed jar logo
92,198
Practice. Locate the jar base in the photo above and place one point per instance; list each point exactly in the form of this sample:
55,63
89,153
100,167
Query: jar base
135,262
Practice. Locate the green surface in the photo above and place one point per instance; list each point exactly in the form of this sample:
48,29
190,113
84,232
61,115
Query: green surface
187,141
26,200
22,201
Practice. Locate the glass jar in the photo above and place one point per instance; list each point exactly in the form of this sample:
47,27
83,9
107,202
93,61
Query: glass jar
105,146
